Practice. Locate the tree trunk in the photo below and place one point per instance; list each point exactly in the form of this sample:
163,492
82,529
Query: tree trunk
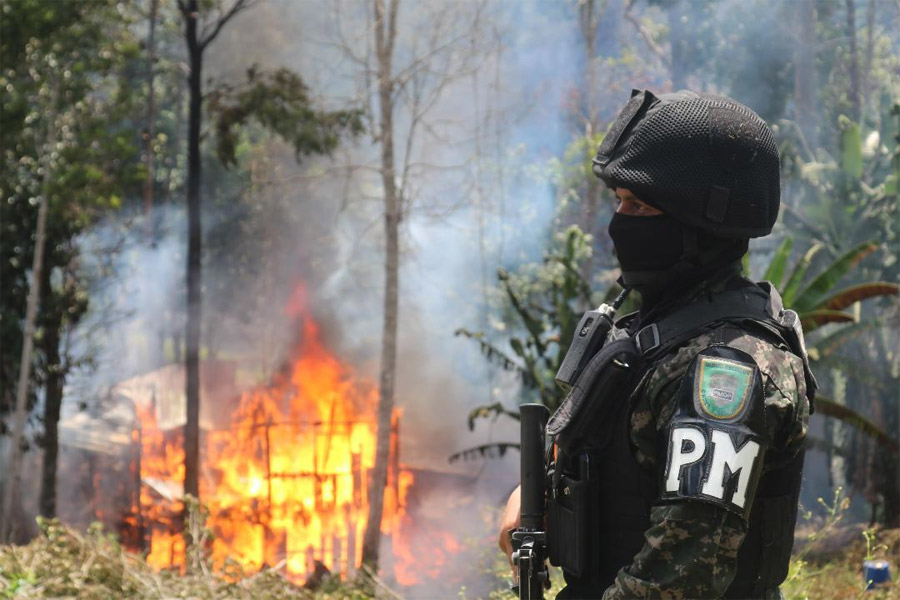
866,78
385,34
194,274
854,61
587,20
53,389
678,69
805,70
150,130
14,470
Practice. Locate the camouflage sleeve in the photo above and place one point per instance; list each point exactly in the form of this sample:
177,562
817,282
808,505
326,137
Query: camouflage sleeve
690,549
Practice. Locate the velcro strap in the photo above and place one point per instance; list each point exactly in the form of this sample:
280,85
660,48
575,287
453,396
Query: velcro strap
751,303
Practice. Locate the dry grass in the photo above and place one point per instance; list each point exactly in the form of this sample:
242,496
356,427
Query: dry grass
836,573
62,563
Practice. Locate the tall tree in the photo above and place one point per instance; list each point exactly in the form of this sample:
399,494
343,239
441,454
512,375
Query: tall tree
385,38
279,101
587,22
65,150
417,56
150,128
805,69
198,39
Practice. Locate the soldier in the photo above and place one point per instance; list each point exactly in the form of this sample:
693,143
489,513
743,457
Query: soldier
680,479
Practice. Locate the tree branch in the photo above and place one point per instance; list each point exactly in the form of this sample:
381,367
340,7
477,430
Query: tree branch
208,36
648,39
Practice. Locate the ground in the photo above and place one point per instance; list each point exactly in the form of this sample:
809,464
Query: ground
61,563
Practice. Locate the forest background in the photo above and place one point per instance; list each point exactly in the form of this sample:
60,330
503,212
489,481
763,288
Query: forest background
421,170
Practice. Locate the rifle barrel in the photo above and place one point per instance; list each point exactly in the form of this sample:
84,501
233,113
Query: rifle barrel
533,424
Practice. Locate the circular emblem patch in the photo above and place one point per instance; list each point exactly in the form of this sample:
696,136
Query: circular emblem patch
721,387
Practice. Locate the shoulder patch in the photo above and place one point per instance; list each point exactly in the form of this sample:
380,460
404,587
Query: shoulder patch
721,387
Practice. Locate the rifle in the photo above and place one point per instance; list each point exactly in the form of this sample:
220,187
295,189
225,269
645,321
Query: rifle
529,540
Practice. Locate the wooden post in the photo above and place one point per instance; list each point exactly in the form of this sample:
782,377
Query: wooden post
356,472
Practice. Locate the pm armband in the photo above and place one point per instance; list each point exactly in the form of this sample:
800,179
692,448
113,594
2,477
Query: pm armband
714,450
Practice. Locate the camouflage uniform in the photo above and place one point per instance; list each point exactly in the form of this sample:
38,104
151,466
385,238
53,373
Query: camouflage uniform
691,548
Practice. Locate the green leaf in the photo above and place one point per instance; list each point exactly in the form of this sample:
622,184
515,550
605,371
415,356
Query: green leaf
797,275
492,450
810,297
846,414
491,352
890,185
844,298
775,271
489,411
851,149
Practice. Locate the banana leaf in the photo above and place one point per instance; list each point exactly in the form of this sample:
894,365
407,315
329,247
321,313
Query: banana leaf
494,354
809,298
484,412
531,324
493,450
844,298
825,346
846,414
860,371
775,271
815,319
797,275
817,443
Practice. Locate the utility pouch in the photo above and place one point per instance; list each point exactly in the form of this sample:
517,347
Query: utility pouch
570,521
585,411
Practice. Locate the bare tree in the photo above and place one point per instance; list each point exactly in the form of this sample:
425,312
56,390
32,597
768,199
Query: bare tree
854,92
804,69
200,32
385,37
417,56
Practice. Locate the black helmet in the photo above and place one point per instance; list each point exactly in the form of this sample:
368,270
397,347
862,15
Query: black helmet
706,160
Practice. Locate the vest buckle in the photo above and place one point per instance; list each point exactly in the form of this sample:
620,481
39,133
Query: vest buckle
647,338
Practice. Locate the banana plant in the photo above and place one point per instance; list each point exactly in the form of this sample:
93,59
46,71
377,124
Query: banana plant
546,301
816,301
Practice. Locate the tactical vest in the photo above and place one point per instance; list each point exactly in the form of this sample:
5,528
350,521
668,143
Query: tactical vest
600,497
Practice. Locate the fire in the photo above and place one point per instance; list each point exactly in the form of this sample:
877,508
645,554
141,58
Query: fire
287,482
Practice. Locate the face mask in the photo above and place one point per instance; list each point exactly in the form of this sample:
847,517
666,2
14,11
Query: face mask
646,243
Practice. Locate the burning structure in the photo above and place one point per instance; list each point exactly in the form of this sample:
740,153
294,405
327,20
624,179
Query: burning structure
284,469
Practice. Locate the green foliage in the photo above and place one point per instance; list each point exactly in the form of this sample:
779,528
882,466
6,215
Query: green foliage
545,301
828,555
66,138
280,101
543,304
817,304
816,301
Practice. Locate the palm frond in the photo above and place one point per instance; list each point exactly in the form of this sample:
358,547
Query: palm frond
775,271
797,275
492,450
846,414
489,410
844,298
810,297
814,319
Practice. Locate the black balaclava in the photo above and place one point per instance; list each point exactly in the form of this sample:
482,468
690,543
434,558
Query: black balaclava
661,257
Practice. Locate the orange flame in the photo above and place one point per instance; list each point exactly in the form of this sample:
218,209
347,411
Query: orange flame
287,482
